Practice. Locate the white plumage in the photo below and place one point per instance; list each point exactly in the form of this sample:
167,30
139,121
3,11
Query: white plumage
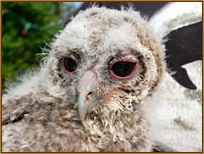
178,110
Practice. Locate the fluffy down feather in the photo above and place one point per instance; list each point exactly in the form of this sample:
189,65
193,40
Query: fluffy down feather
41,113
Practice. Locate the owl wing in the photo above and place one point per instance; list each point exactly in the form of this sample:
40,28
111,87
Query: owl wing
175,113
180,25
18,100
178,110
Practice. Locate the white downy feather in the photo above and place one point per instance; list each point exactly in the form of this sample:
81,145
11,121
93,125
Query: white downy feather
175,112
175,15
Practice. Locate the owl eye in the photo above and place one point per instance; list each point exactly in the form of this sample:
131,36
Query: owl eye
122,69
70,64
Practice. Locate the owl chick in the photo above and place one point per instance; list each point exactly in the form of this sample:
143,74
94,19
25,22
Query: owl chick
89,92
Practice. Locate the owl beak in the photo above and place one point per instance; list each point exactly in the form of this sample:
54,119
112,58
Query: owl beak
85,103
86,88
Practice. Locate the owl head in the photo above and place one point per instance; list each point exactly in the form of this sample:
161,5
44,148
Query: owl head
105,63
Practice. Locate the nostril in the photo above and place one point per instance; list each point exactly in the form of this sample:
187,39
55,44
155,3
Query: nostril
90,93
88,96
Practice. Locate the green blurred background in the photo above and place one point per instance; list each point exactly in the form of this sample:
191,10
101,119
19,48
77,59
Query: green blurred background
26,28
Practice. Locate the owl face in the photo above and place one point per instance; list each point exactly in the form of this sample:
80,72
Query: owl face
106,58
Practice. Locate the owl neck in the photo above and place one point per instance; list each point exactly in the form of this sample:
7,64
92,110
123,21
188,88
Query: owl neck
125,128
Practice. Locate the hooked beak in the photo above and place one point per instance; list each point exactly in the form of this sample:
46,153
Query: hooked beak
86,102
86,88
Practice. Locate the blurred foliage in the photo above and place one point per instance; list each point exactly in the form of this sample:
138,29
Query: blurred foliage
26,26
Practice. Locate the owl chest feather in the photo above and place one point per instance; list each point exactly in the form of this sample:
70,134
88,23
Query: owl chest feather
54,128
